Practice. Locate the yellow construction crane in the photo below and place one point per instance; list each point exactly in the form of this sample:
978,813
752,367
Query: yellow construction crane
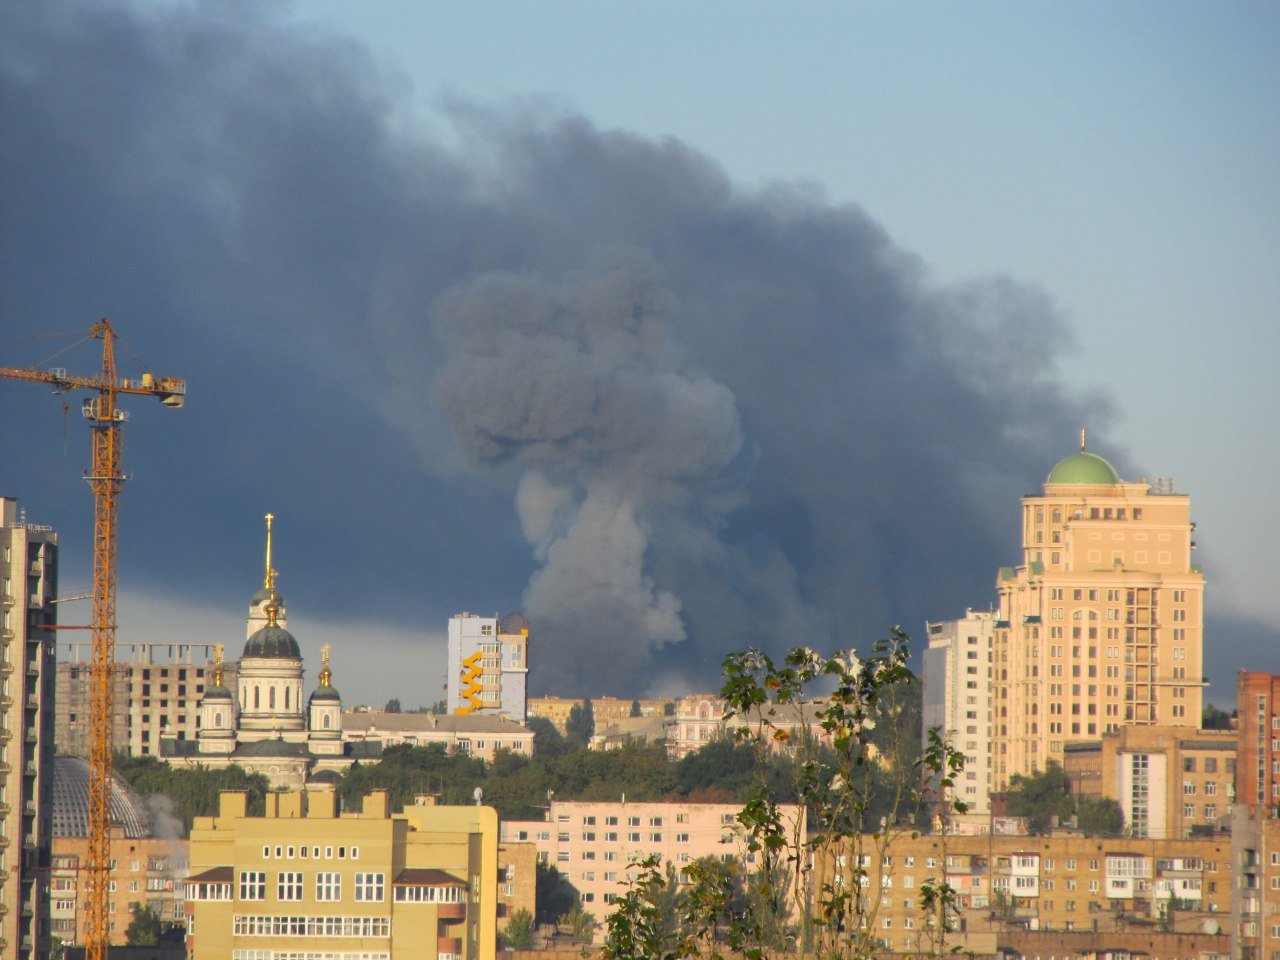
105,478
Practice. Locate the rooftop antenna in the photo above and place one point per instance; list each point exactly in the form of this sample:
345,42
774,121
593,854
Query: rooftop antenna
1082,439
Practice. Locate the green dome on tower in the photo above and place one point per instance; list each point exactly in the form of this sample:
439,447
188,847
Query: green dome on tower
1084,467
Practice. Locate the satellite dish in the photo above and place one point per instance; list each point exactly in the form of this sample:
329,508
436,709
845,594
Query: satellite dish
1211,927
478,795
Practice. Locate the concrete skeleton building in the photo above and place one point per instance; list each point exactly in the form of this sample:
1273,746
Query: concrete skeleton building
28,587
957,701
304,881
488,665
157,689
1101,624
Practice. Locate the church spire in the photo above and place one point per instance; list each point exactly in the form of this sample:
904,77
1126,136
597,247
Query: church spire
1082,439
269,576
217,664
325,673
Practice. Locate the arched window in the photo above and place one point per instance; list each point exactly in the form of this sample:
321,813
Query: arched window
257,696
326,721
271,698
217,719
286,698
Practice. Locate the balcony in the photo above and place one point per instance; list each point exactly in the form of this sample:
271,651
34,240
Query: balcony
7,634
451,945
8,600
451,911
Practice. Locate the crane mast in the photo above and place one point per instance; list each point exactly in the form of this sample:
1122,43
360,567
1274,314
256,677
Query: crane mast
106,479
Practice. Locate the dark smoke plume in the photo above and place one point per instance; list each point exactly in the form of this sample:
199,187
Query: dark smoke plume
682,416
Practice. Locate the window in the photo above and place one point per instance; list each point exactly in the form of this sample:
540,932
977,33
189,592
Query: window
253,885
289,886
328,887
370,887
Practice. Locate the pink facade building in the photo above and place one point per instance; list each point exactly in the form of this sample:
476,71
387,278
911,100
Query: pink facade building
593,844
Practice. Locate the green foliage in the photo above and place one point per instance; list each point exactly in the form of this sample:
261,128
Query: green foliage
1214,718
143,929
669,708
555,896
864,781
581,724
1100,817
1041,797
580,923
193,792
636,709
518,933
393,705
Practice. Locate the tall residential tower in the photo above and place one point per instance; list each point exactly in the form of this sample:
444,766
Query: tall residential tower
28,587
1101,624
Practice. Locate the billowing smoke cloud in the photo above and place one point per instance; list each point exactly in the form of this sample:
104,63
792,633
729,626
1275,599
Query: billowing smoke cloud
680,416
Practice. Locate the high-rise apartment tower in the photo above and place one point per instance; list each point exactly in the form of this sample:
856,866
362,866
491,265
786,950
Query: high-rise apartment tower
488,665
1101,624
28,586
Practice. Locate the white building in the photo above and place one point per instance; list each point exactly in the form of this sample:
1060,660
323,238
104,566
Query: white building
957,700
488,665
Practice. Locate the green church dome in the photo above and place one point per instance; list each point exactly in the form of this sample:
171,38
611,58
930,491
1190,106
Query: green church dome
1084,467
273,643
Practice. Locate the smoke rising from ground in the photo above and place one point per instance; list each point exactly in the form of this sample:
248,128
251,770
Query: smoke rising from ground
680,416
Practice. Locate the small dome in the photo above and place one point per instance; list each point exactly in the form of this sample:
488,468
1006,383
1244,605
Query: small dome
218,693
272,643
325,692
71,802
1084,467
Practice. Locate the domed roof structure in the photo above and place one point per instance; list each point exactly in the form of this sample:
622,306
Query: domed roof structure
1086,468
272,643
71,802
218,692
263,595
324,692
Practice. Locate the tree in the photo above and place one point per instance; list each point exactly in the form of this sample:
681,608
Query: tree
519,930
581,724
555,896
1214,718
581,923
669,708
143,929
636,709
1100,817
1041,797
864,784
393,705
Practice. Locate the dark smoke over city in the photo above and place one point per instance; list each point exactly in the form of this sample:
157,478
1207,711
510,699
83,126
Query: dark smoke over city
502,358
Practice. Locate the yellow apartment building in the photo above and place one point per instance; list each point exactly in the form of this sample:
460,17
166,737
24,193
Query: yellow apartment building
306,881
1101,624
1167,780
1063,896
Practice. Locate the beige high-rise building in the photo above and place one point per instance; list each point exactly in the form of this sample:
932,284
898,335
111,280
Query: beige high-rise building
1101,624
28,587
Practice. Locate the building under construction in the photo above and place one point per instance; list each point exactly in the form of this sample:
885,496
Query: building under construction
157,690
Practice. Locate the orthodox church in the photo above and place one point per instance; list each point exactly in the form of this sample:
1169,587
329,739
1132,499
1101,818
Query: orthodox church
263,725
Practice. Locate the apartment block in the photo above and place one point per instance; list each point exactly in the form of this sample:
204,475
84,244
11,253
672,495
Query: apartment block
304,881
594,843
607,712
488,665
28,587
1065,895
957,700
703,717
1101,623
1169,781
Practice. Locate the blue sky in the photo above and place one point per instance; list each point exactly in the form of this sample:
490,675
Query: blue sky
885,253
